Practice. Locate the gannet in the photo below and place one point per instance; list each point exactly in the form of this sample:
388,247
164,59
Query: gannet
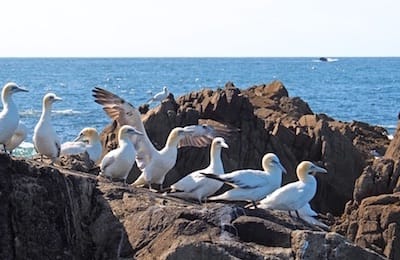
88,141
295,195
195,185
155,164
45,139
126,114
203,134
160,96
9,116
252,185
17,138
118,162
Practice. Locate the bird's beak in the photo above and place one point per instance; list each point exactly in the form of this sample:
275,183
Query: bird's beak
22,89
79,138
137,132
186,131
315,168
189,128
57,99
225,145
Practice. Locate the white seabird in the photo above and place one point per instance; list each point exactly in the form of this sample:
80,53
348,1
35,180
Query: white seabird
295,195
88,141
203,134
126,114
155,164
9,116
118,162
195,185
252,185
17,138
45,138
160,96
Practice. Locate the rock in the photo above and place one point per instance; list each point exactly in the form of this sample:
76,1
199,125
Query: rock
374,224
53,213
372,218
269,121
308,246
393,151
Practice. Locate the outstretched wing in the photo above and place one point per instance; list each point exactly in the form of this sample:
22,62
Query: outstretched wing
118,109
126,114
204,133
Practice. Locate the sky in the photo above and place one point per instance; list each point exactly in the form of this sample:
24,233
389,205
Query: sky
206,28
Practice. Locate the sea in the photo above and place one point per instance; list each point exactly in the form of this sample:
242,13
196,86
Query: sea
347,89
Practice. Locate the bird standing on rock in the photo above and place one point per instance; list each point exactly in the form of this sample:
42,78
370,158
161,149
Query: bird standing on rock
160,96
195,185
117,163
18,137
88,141
295,195
45,138
153,163
9,116
252,185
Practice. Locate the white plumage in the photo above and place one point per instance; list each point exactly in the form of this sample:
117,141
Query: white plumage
160,96
252,185
117,163
45,138
88,141
295,195
9,116
17,138
157,163
195,185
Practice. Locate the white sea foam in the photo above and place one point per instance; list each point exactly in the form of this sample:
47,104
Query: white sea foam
25,149
66,112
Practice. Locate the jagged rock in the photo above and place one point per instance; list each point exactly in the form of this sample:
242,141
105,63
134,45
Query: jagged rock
53,213
374,224
269,121
372,218
78,162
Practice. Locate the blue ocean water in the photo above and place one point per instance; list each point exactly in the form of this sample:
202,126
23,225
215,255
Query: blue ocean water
362,89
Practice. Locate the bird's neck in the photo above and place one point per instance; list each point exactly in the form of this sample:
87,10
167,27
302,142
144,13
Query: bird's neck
8,103
172,141
215,157
46,112
306,178
94,140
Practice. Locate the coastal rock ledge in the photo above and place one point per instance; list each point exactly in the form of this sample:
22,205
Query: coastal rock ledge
54,213
66,212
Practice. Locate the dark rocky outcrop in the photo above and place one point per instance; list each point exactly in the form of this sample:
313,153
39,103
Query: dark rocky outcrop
269,121
372,218
53,213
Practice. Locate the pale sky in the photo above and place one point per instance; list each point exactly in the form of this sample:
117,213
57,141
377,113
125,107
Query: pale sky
203,28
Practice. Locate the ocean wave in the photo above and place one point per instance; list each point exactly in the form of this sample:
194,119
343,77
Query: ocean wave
66,112
32,112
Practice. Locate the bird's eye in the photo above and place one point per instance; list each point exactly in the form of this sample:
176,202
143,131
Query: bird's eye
204,127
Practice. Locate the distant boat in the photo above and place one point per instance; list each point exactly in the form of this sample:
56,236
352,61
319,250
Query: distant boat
326,59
